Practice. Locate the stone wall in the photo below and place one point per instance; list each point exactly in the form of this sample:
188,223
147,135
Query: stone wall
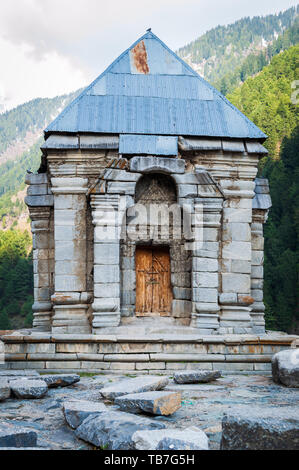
151,354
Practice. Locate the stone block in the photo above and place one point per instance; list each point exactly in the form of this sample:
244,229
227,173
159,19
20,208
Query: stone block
136,385
205,279
178,439
76,412
105,253
4,389
39,201
181,293
276,428
285,368
205,295
257,242
38,178
240,266
37,190
66,283
29,389
257,258
181,279
237,232
15,436
187,190
231,215
257,272
113,430
149,164
236,283
237,250
196,376
106,274
204,264
181,308
210,234
61,380
121,187
150,366
107,290
157,403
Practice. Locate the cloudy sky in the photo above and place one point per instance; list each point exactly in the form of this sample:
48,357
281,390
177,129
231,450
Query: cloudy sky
51,47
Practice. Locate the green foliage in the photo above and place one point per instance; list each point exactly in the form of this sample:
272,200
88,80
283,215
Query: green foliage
16,279
266,99
34,115
282,237
222,49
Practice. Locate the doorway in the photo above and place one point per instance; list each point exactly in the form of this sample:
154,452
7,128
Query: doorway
153,282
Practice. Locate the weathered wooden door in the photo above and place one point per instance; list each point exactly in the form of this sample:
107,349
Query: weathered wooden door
153,282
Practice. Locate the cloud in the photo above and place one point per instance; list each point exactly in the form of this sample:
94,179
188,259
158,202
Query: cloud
65,41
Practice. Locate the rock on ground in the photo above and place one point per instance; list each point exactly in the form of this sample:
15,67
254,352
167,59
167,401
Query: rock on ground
260,428
285,367
16,436
113,430
137,385
29,389
156,403
61,380
168,443
150,440
196,376
4,389
76,412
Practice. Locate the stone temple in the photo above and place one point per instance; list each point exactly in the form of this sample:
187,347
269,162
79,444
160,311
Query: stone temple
147,220
149,133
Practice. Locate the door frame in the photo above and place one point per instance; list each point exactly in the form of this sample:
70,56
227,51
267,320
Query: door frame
153,247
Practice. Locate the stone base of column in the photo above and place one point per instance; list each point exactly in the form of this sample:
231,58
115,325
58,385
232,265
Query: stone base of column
235,320
206,323
42,314
71,319
257,318
104,320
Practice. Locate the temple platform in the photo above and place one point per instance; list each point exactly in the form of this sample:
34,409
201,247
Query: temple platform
147,349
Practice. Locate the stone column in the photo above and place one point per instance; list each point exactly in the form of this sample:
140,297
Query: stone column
40,202
42,260
70,298
205,266
257,271
235,297
106,219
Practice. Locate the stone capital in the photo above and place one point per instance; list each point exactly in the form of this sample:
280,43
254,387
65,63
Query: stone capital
69,185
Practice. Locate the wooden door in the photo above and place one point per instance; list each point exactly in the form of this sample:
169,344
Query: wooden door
153,282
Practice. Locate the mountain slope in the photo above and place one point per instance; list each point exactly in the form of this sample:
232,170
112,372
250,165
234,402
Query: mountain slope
223,49
266,99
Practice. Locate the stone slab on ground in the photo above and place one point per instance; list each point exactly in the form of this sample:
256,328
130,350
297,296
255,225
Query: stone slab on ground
19,373
29,389
285,367
113,430
76,412
260,428
61,380
168,443
156,403
4,389
16,436
150,440
196,376
136,385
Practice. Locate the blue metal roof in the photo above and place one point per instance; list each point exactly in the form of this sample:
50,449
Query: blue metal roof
148,145
150,90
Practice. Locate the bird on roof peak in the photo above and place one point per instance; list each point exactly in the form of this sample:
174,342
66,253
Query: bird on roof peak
149,30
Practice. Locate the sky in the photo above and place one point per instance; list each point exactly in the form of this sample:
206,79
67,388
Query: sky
52,47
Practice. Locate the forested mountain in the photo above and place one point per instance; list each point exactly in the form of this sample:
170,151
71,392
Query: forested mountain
227,55
267,100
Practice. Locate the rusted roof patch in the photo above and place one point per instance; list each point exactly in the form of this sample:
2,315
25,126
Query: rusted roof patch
140,58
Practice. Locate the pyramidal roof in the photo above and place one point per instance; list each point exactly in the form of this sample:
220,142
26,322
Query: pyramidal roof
149,90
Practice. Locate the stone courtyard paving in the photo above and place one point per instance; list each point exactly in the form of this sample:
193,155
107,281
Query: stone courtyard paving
203,406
